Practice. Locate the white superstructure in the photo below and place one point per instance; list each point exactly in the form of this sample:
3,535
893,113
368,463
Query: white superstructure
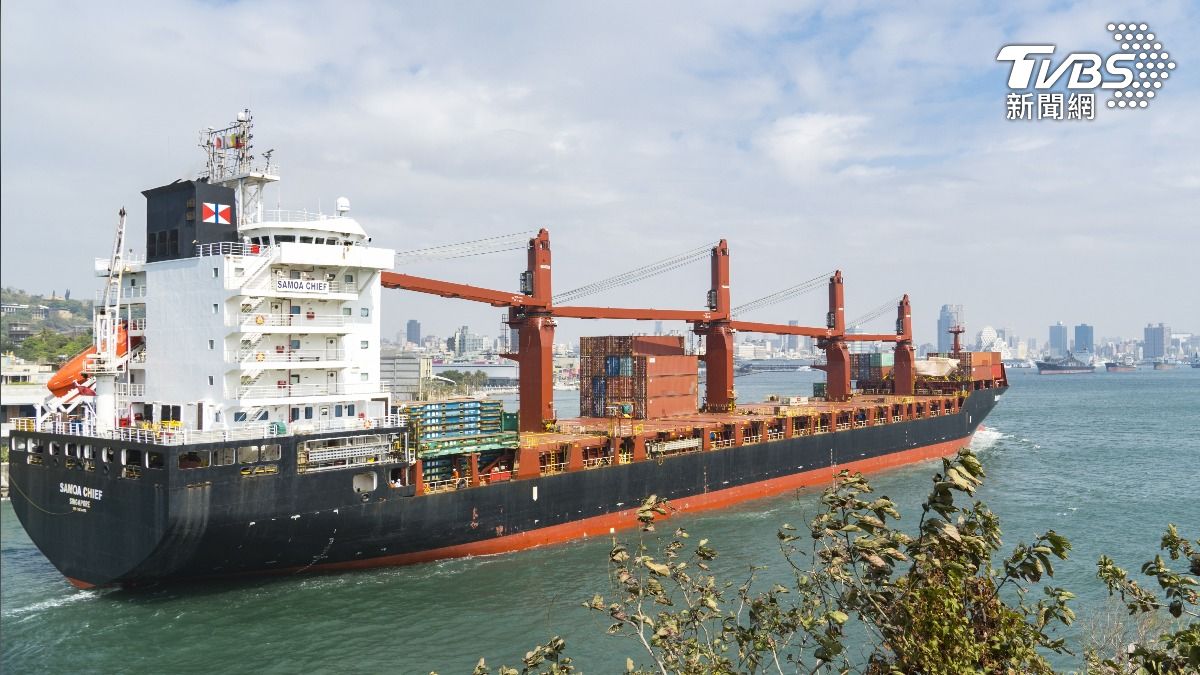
281,324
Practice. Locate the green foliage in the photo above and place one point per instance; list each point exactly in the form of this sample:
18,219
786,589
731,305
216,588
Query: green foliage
80,317
464,382
51,347
1174,651
932,603
943,600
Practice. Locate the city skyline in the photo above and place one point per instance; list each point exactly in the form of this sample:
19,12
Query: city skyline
811,138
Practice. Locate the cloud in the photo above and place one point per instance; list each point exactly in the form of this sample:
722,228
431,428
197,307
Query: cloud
858,136
809,144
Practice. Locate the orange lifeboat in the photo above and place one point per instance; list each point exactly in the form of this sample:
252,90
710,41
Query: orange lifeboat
71,374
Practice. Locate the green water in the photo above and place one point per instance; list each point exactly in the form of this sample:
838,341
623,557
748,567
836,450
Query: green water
1107,459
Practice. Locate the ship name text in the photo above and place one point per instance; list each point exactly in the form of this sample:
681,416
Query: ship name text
302,285
81,491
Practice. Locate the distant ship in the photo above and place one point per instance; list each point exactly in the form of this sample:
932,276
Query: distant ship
1196,361
1163,364
1124,364
1066,366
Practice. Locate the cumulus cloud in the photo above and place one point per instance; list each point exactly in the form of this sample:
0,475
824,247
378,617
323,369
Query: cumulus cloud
866,137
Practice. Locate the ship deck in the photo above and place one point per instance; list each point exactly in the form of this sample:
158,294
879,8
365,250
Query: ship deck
873,409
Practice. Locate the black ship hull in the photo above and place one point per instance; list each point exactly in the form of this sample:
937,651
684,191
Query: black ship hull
99,528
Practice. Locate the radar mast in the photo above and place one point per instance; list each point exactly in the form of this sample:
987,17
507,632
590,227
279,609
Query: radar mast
231,163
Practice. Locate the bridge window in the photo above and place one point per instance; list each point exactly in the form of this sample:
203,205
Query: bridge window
349,278
365,312
196,459
306,240
285,238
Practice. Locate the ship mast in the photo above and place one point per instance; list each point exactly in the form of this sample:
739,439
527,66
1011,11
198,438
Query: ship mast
231,163
104,364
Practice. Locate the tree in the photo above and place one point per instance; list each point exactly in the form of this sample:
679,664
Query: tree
1174,651
931,602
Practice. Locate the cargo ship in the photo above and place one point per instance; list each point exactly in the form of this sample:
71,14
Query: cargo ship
229,418
1124,364
1068,365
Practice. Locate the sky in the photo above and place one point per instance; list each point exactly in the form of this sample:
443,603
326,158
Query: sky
866,137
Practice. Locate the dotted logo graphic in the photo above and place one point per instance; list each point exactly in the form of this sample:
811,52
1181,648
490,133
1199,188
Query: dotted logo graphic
1152,65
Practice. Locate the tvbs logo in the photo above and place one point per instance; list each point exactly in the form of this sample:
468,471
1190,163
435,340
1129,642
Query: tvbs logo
1134,75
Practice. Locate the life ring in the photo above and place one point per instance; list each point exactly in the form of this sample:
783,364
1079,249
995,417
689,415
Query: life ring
259,320
260,356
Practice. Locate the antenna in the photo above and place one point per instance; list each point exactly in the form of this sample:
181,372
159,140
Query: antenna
230,163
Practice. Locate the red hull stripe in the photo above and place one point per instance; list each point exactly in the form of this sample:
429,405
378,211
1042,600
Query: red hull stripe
82,585
605,524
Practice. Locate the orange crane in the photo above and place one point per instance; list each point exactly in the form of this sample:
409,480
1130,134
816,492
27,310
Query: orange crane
532,313
833,341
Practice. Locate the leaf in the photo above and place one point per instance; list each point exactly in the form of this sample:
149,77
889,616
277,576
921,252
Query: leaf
658,568
839,616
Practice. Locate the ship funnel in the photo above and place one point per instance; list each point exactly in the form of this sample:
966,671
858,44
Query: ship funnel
343,206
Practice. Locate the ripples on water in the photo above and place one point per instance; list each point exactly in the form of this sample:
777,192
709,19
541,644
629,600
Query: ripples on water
1107,459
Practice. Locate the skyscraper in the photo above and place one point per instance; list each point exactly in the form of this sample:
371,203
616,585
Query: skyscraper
1085,338
1058,340
414,331
792,342
949,317
1157,341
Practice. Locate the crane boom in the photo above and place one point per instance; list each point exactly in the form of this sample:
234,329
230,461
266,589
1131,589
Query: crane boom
448,289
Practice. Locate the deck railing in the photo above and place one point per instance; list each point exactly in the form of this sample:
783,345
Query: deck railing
165,434
283,389
284,355
253,322
232,248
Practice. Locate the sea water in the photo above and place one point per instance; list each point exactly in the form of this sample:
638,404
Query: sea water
1107,459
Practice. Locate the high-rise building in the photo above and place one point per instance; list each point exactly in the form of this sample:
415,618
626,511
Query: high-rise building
658,328
986,338
1085,338
1157,341
465,342
792,341
414,331
949,317
1058,340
